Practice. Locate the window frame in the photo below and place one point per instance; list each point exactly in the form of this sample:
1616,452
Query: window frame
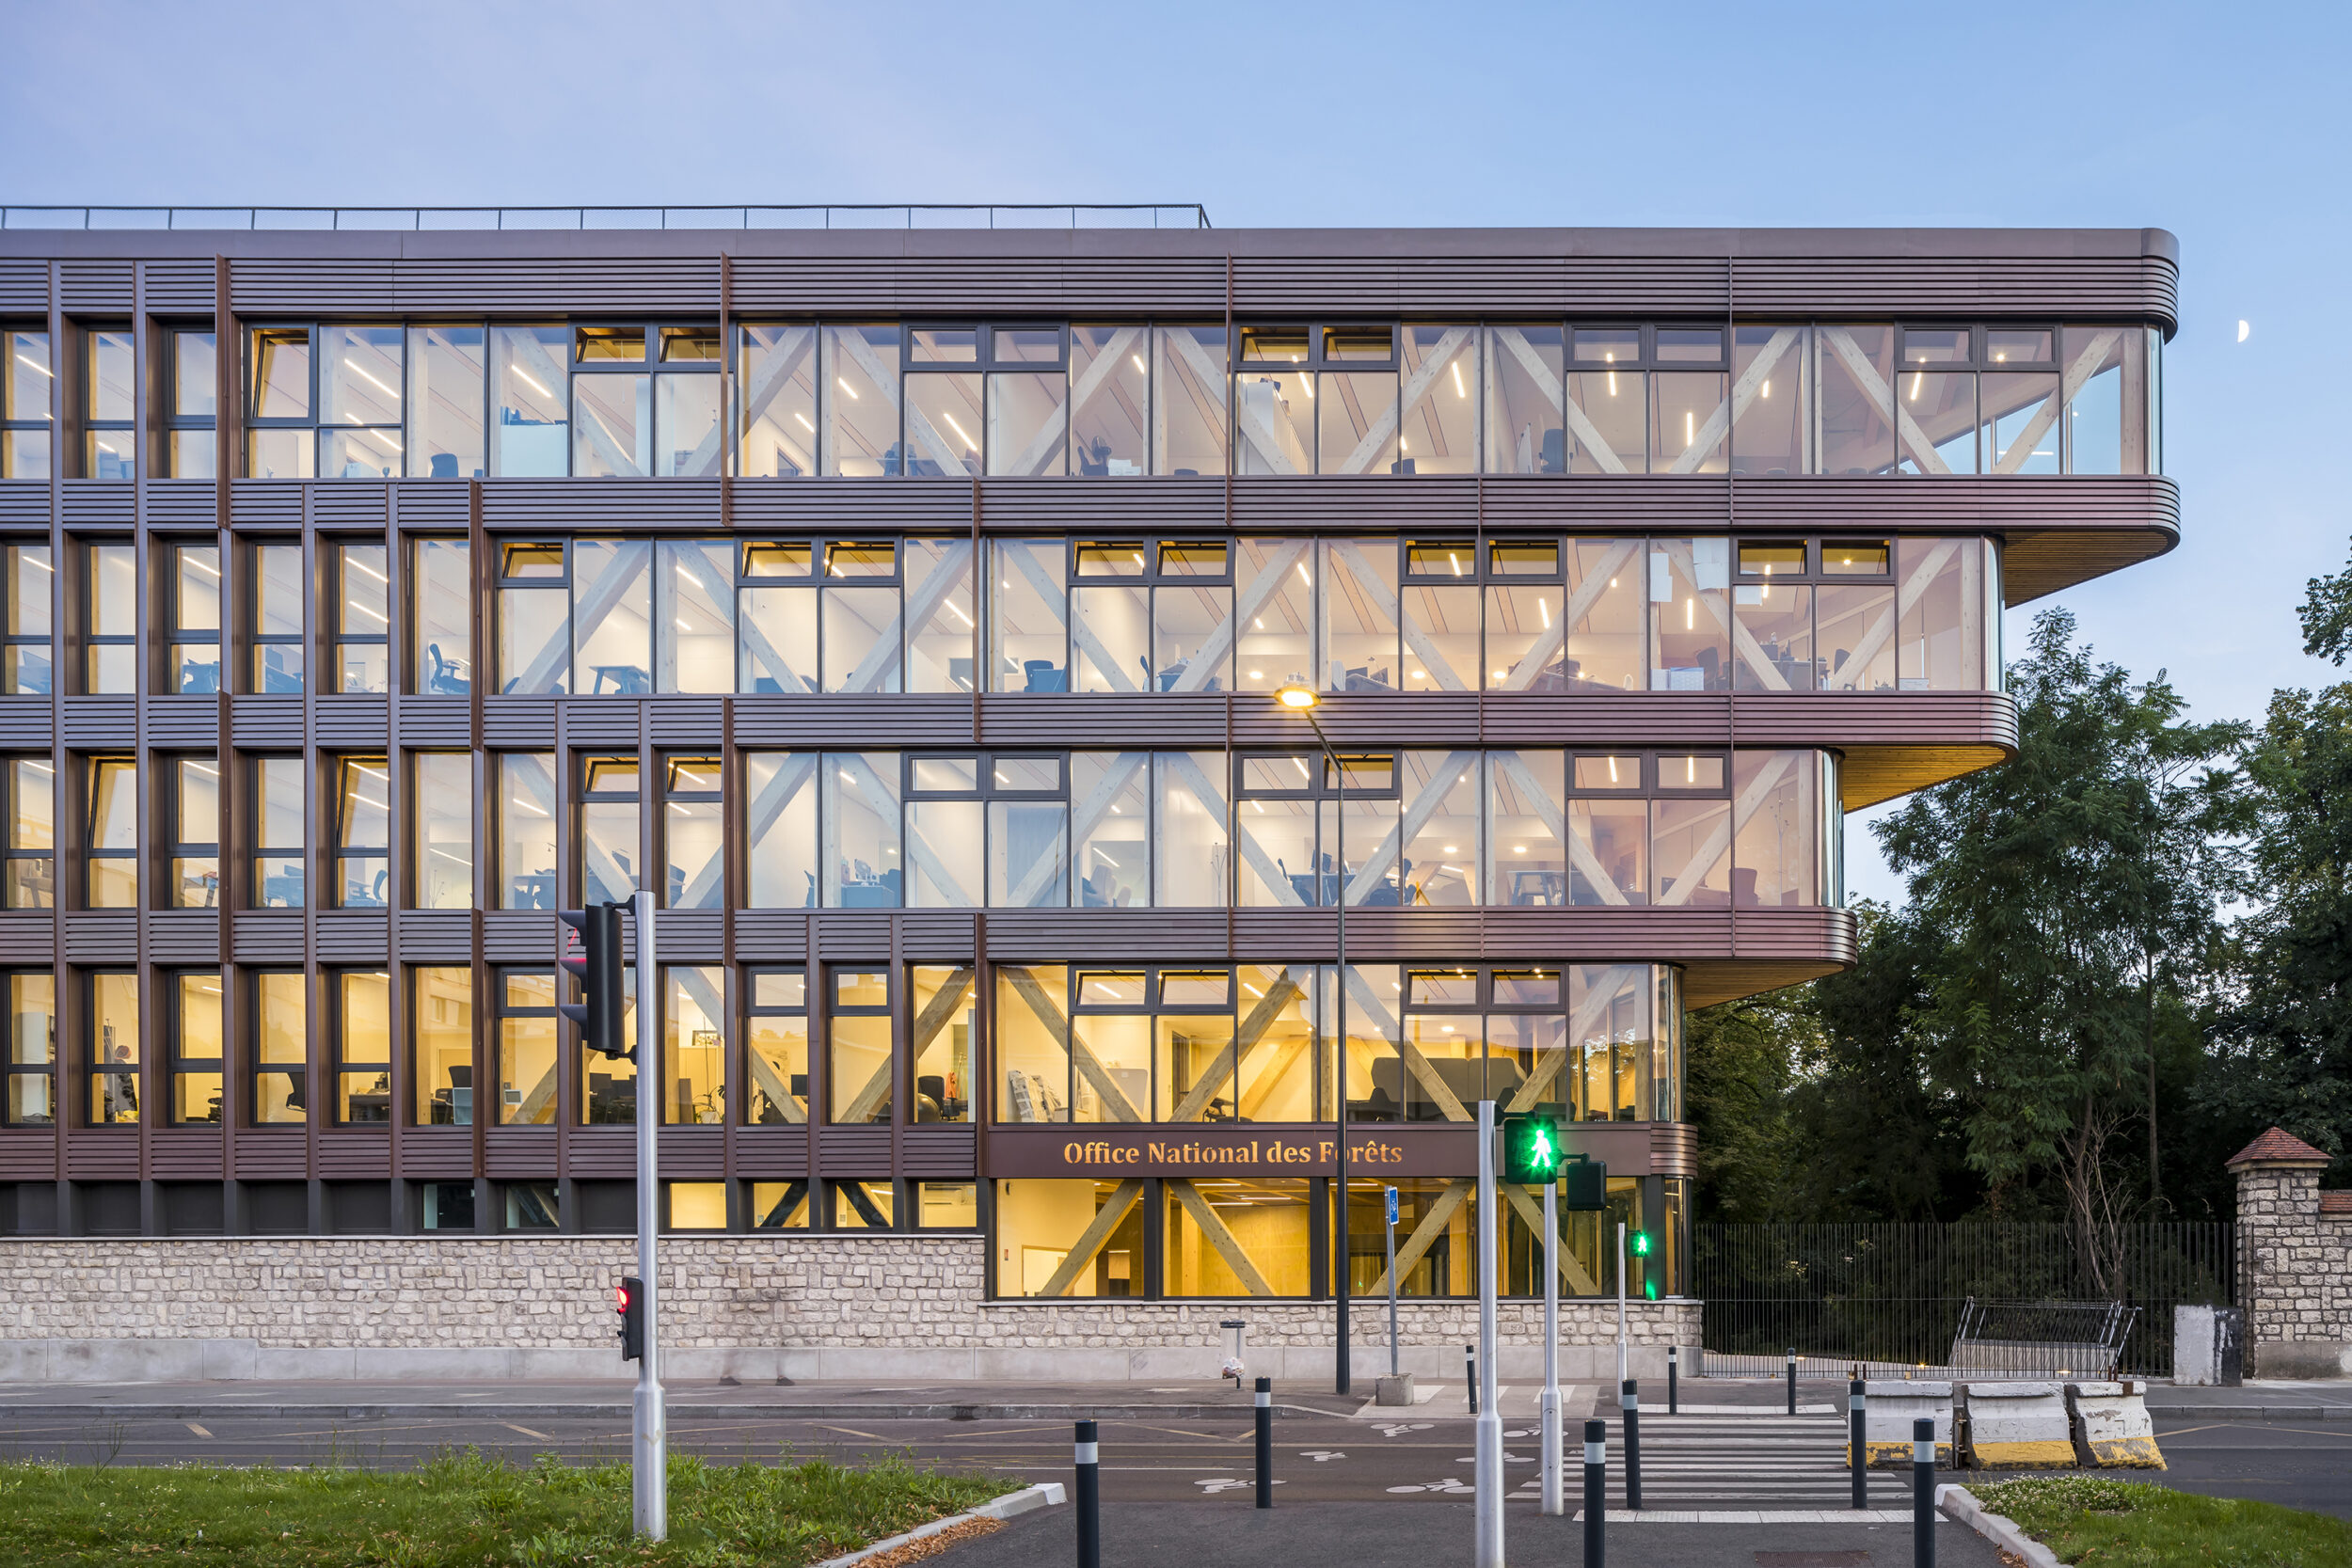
11,793
342,1062
95,1066
13,418
256,816
21,555
176,636
175,423
259,642
378,765
13,980
92,765
177,849
93,640
182,1065
92,333
339,630
753,1008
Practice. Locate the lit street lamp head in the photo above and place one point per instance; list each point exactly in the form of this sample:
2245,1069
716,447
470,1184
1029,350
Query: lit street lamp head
1297,694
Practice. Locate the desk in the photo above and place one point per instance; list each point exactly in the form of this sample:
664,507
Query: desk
629,680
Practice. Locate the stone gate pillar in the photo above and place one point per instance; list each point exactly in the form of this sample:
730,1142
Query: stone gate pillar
2294,1261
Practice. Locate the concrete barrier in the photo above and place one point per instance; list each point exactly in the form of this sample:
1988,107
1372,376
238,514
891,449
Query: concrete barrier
2018,1426
2111,1428
1888,1410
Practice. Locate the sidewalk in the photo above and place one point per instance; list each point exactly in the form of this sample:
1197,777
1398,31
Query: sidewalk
2254,1401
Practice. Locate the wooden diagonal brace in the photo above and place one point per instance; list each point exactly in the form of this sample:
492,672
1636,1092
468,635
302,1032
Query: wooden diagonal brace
1433,1223
1096,1235
1213,1231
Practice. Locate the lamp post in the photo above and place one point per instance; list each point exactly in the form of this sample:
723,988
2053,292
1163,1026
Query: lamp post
1302,699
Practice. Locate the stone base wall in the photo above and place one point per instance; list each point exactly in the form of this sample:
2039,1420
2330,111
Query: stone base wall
883,1307
2295,1251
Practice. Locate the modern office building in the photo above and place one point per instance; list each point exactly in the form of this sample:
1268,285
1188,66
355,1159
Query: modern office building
905,607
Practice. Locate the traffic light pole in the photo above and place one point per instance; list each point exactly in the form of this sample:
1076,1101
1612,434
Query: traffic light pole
1554,1502
1487,1453
1622,1373
649,1448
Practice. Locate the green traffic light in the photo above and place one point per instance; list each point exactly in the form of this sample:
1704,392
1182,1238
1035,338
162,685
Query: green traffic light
1640,1244
1541,1155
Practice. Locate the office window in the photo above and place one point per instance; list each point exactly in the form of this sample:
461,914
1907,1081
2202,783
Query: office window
1947,610
692,834
526,806
110,400
530,422
780,829
363,824
1691,830
858,804
280,441
1770,433
1235,1238
864,1205
942,1035
644,401
444,402
1607,408
942,615
31,882
111,619
776,618
26,381
1028,400
858,368
441,1022
440,848
32,1060
281,1040
534,612
780,1205
776,1048
695,1205
1359,615
948,1205
281,594
1028,614
196,1048
1309,833
858,1054
1152,615
280,835
440,592
1526,849
993,822
363,618
190,411
859,617
775,409
363,1046
1526,401
608,1084
1608,829
1041,1227
1439,832
1111,425
1689,582
527,1036
114,1047
1189,399
194,807
1191,851
694,615
1854,398
1689,422
1438,432
194,667
27,655
694,1048
1935,402
111,839
1111,827
609,860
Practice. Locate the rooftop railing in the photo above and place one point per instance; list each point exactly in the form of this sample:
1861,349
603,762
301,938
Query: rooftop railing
1178,214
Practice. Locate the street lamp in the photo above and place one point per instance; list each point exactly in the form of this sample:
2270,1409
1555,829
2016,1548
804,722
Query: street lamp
1302,699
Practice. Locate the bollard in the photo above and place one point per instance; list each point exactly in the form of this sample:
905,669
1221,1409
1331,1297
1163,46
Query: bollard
1923,1493
1469,1372
1792,1380
1596,1492
1674,1360
1857,1449
1087,1494
1630,1401
1266,1442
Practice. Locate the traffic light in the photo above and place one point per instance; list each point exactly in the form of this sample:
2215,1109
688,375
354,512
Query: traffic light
1638,1242
593,957
1584,1185
1531,1155
632,1309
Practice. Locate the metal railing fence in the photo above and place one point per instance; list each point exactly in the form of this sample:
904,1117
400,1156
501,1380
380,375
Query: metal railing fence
1977,1298
1167,214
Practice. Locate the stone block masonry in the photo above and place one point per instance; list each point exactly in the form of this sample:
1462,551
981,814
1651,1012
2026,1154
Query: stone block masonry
2294,1262
871,1308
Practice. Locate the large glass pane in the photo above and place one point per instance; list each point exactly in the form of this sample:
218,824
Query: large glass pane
694,615
1689,426
778,401
1611,1057
194,876
195,370
281,374
32,878
861,640
613,431
1111,824
1188,422
861,852
1274,421
609,824
1040,1226
1945,610
861,401
1776,857
442,595
32,1043
2105,390
443,1022
527,829
281,595
363,823
1609,848
858,1067
527,1056
1935,421
1359,610
280,1047
2020,418
942,615
694,1052
1027,610
26,378
1854,634
1277,855
446,389
1193,1064
1189,814
691,833
530,417
1111,628
1606,419
113,864
777,633
364,591
1110,427
942,1036
1439,831
1028,423
1032,1044
612,615
364,1078
780,828
280,833
1274,614
534,639
1028,854
1769,434
1441,633
443,844
1112,1055
360,375
1689,582
778,1056
1438,434
1525,399
195,1049
945,848
1856,373
944,426
1526,849
113,1039
1192,626
1356,420
1774,629
1691,843
686,426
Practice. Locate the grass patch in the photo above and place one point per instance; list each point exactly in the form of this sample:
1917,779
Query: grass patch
2098,1521
463,1508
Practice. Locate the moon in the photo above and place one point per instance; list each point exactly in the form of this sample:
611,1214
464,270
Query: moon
2242,330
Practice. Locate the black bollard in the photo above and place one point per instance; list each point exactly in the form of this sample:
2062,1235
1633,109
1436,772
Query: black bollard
1674,1365
1856,1459
1596,1492
1087,1494
1266,1442
1470,1370
1630,1401
1923,1493
1792,1380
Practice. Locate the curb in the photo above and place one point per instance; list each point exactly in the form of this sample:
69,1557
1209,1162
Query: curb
1011,1505
2256,1412
675,1408
1958,1502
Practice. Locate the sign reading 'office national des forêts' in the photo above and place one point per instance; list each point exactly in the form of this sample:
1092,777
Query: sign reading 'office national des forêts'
1250,1151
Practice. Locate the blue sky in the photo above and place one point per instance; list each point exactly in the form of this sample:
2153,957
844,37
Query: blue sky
2224,123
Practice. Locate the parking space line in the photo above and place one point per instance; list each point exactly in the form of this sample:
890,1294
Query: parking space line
197,1430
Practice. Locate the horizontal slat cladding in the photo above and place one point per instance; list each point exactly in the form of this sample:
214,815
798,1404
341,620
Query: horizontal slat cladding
1076,505
1634,719
519,936
95,285
598,722
572,506
25,720
1360,720
272,1156
1870,775
1988,285
352,721
686,722
95,937
433,503
183,504
260,285
28,936
1108,936
854,1150
517,722
845,936
432,1152
1516,284
881,505
1704,984
102,1156
1674,1149
265,503
1045,283
436,721
846,723
772,936
939,1154
1104,719
1630,934
23,503
355,1156
771,1153
265,936
180,287
690,1152
1807,933
582,283
938,935
1603,504
23,286
28,1156
183,721
184,936
265,720
690,936
351,503
353,936
516,1153
434,936
93,721
94,503
1965,504
1855,719
1336,503
1376,934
